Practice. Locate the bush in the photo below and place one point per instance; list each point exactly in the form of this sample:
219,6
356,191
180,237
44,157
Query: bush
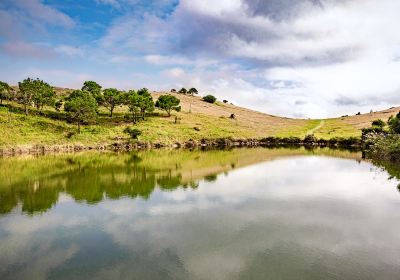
394,123
310,139
378,123
209,98
133,132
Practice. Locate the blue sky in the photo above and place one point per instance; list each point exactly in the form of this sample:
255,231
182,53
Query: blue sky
297,58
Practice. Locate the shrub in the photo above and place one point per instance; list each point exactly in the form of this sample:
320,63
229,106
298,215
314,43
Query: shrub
209,98
394,123
310,139
134,133
378,123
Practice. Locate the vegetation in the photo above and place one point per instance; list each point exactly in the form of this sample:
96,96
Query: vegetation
133,132
35,92
81,107
383,144
112,98
145,102
103,120
193,91
209,98
168,103
394,123
5,92
94,89
183,91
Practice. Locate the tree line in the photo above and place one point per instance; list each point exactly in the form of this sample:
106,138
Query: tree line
82,105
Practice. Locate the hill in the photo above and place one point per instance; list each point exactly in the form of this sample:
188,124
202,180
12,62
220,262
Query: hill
197,120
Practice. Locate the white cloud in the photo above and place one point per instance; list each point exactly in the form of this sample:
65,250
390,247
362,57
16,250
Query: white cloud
45,13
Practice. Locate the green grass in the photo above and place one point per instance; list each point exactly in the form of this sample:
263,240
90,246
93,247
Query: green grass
51,128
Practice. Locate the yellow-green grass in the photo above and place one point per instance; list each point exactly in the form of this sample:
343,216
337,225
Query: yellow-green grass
197,120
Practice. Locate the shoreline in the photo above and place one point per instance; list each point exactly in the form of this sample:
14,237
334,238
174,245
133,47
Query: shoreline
121,146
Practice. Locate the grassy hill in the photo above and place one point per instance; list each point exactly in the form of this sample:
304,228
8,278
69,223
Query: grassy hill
197,120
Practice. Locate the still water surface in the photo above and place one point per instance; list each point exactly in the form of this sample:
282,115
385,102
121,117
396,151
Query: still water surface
237,214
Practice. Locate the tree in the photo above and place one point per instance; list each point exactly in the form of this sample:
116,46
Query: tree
183,91
193,91
5,91
95,89
145,102
81,107
209,98
168,103
131,99
112,98
35,91
44,95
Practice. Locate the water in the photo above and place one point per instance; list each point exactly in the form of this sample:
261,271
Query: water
238,214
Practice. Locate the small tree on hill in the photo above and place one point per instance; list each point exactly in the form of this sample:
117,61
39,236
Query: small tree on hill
145,102
5,91
209,98
35,91
112,98
131,99
193,91
168,103
44,95
81,107
94,89
183,91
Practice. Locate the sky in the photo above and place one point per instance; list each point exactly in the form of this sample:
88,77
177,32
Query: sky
294,58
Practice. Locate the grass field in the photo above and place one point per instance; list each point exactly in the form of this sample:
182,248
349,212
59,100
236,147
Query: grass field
210,120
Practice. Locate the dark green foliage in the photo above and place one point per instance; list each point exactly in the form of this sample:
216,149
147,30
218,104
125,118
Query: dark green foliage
5,91
183,91
378,123
131,100
168,103
134,133
112,98
37,92
193,91
81,107
95,90
373,129
385,148
139,103
58,104
145,102
209,98
344,142
394,124
310,139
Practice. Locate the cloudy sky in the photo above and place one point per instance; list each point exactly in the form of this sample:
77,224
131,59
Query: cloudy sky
297,58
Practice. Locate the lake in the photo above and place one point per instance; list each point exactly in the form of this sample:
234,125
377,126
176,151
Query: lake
178,214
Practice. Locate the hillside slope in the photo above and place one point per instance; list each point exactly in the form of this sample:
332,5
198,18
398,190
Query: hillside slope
196,121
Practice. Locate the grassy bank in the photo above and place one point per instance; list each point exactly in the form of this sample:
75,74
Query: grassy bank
197,120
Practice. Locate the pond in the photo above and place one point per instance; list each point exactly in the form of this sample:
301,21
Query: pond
178,214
